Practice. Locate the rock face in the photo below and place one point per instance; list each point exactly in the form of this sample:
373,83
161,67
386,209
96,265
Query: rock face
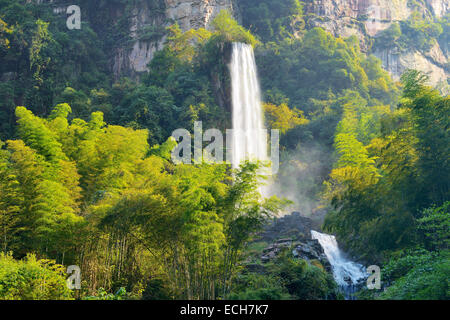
432,62
293,232
362,18
346,17
189,14
367,18
293,227
312,250
308,250
195,13
149,16
439,7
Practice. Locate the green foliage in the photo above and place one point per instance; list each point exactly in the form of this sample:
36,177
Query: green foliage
444,39
282,118
196,219
10,200
156,290
228,30
42,59
37,135
101,294
304,281
418,32
342,93
320,74
320,66
78,100
261,294
5,30
435,224
47,197
418,276
40,39
389,38
379,190
273,19
286,278
32,279
151,108
259,287
429,113
79,187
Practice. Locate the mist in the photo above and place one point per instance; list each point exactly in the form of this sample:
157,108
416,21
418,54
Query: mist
300,178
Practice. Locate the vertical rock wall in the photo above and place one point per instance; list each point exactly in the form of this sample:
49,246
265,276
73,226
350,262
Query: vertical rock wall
367,18
144,16
362,18
187,13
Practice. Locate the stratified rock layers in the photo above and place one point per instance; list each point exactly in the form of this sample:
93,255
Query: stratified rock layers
188,14
362,18
367,18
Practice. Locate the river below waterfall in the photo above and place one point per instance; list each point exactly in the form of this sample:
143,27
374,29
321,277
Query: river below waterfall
347,274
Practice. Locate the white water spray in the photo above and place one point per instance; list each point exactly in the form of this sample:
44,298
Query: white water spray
249,140
346,273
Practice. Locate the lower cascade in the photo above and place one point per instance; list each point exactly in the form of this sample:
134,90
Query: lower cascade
347,274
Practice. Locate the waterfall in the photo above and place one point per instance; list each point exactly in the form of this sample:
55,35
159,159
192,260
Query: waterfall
346,273
249,139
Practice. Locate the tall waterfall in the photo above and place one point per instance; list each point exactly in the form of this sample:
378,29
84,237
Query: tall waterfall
249,139
346,273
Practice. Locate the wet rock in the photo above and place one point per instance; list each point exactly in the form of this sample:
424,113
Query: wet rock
293,232
312,250
272,251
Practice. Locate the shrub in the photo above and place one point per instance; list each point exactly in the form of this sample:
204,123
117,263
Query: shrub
32,279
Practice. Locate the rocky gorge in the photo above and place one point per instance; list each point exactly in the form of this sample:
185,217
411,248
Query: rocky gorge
294,235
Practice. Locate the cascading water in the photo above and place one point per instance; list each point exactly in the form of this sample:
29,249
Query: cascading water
249,142
249,139
346,273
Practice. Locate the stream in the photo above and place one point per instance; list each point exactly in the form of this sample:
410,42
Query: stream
346,273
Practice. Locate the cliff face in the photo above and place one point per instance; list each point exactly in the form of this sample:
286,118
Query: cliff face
345,17
187,13
432,62
146,20
362,18
439,7
367,18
